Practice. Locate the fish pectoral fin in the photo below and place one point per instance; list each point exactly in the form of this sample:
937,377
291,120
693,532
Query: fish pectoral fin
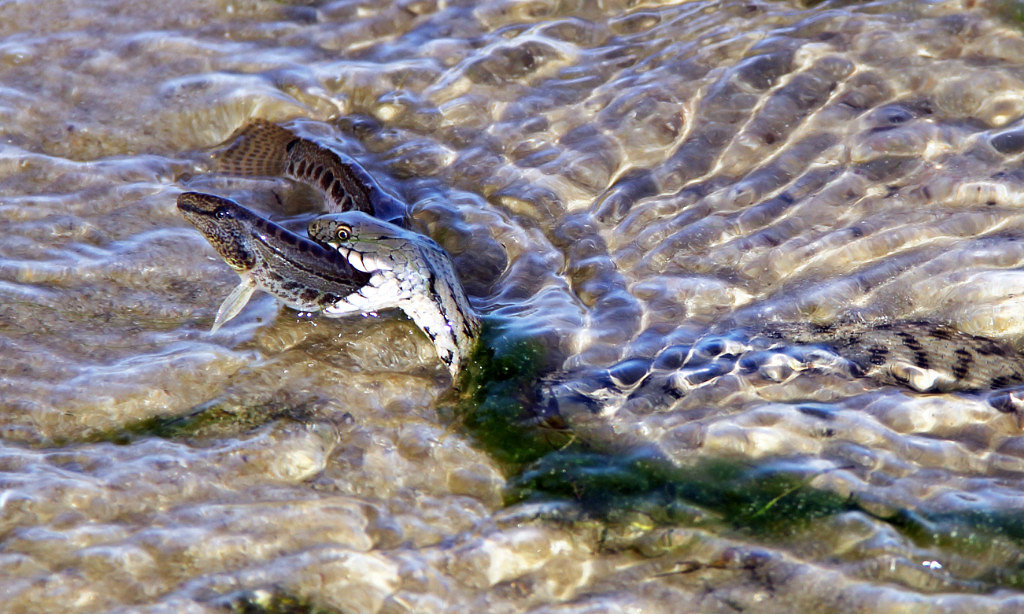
234,302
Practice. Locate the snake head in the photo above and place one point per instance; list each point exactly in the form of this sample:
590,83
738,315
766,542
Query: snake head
368,243
352,228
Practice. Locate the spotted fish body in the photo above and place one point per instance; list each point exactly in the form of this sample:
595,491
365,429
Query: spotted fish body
301,273
262,148
408,271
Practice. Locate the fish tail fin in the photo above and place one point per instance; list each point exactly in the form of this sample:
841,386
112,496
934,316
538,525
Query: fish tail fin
259,148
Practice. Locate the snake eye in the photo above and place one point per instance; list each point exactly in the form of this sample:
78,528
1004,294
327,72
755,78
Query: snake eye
343,233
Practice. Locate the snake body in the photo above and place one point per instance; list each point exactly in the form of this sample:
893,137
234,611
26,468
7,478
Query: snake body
921,356
924,356
385,266
408,271
262,148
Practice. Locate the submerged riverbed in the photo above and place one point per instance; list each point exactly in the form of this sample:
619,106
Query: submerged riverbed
618,183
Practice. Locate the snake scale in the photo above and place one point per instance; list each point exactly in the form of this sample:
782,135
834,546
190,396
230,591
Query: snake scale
382,266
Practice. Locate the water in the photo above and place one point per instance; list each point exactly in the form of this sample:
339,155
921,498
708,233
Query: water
612,180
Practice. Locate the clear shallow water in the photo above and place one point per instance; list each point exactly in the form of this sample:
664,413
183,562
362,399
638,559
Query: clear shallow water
611,181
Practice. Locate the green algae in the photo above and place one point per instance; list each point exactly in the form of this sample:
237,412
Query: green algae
498,399
499,409
1011,11
770,501
214,419
974,534
747,497
272,602
640,493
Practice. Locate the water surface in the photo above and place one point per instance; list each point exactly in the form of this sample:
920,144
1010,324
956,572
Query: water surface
612,179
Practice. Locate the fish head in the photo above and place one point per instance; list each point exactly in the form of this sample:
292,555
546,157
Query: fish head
223,223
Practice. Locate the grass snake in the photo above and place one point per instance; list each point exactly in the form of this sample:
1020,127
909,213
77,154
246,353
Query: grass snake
356,261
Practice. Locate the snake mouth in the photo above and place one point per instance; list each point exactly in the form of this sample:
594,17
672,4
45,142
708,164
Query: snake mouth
312,258
383,267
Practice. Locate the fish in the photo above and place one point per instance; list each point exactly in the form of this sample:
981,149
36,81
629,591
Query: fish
262,148
301,273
